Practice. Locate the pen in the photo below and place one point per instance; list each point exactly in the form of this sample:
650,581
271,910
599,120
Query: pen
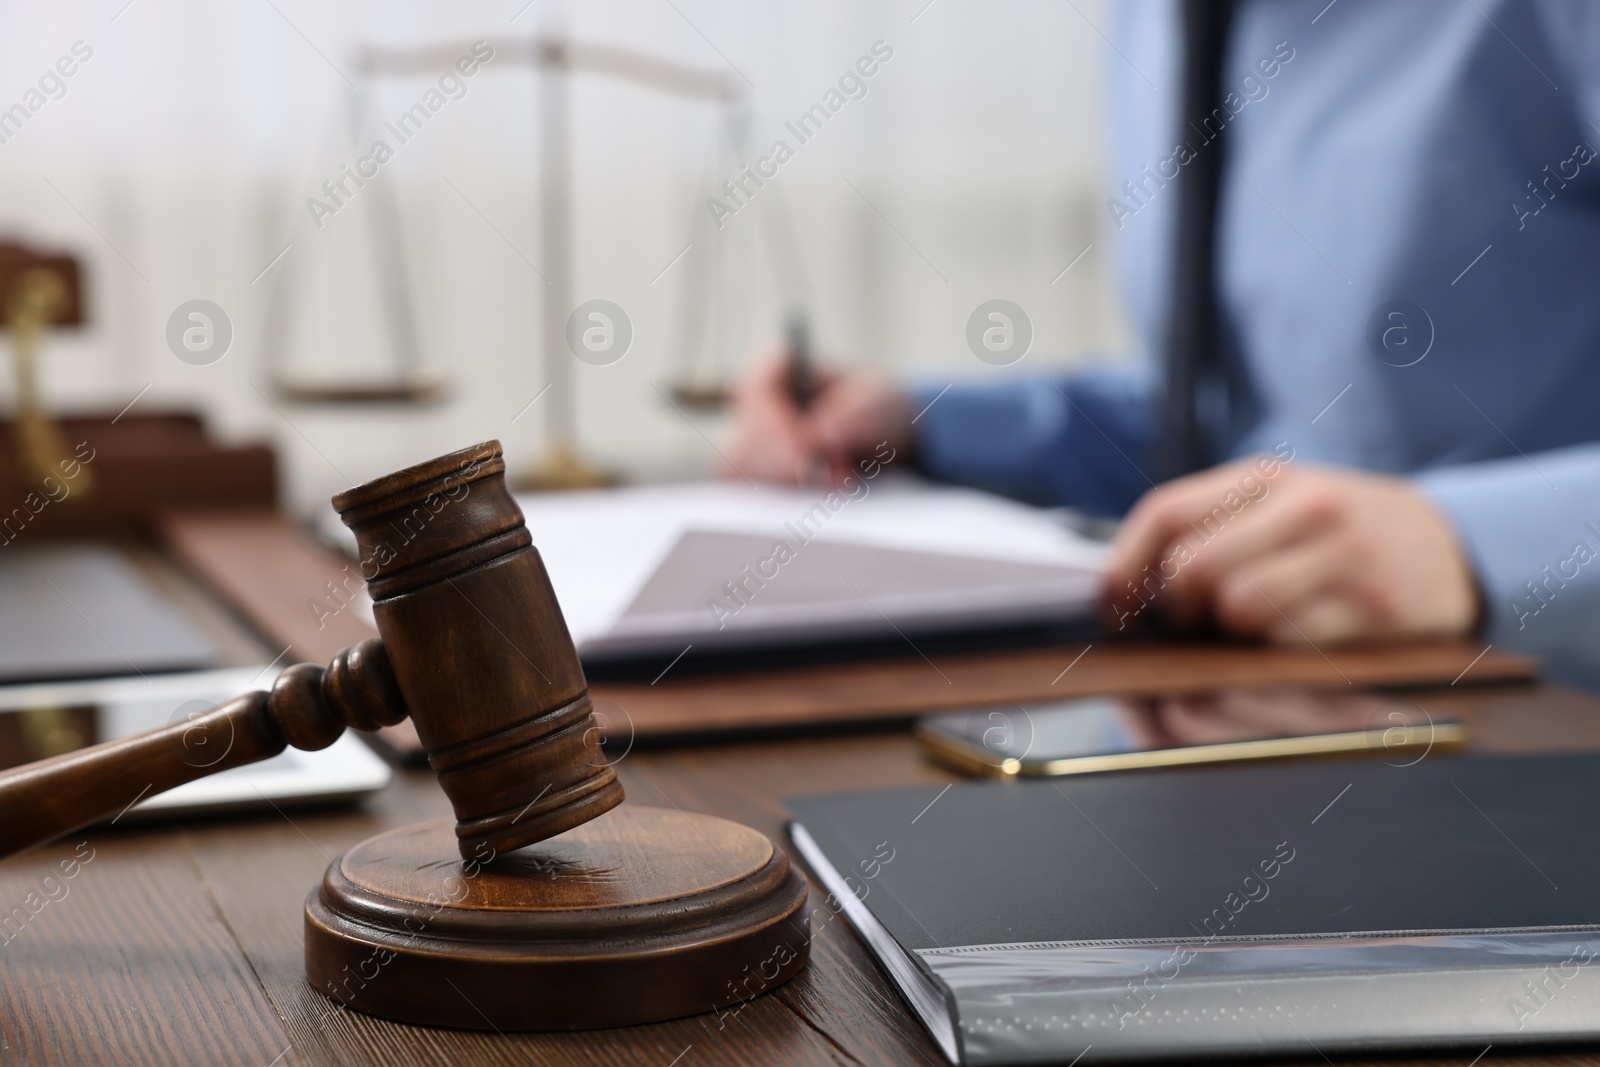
803,390
802,386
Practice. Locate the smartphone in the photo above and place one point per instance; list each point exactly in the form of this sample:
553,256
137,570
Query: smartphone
1086,736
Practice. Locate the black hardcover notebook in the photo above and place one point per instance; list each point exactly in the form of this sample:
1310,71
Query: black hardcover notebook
1287,909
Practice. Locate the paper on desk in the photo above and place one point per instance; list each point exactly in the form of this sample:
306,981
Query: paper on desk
601,546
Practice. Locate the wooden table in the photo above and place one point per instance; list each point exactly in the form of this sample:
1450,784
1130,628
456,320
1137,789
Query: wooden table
182,944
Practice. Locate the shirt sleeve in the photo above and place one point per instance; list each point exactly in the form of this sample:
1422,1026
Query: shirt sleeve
1082,441
1531,526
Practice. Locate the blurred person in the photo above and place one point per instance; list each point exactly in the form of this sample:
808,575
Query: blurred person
1359,243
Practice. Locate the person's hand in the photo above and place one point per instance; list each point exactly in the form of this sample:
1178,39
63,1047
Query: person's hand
850,415
1292,554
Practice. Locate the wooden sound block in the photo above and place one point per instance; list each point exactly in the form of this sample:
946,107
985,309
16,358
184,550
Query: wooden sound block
639,915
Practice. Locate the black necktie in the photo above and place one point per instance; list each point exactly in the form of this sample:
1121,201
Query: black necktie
1193,360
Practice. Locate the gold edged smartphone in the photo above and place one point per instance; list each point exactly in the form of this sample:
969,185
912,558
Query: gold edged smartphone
1095,735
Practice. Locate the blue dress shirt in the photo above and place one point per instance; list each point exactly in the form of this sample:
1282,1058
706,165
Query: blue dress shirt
1408,273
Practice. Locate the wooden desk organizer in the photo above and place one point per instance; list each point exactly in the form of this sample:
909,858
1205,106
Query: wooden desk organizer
142,466
542,905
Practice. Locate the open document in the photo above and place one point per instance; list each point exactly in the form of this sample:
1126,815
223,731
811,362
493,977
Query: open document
649,571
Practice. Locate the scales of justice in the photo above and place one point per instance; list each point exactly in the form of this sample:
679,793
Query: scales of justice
714,279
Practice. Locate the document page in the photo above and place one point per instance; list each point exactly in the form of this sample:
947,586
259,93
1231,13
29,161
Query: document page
602,547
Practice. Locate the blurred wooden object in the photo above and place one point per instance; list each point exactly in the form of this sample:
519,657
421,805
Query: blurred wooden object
292,589
137,465
143,465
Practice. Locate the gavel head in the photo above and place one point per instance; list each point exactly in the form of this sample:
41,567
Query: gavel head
480,650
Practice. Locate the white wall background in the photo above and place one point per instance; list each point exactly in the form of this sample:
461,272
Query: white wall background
179,160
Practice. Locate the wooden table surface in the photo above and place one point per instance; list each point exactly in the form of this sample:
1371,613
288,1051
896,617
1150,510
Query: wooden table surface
182,944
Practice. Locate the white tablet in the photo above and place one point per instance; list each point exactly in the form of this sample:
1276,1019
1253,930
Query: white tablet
50,718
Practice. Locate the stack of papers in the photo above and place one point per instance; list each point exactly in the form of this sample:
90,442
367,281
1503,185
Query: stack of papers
656,569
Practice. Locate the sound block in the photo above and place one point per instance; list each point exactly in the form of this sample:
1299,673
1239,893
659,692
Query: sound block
639,915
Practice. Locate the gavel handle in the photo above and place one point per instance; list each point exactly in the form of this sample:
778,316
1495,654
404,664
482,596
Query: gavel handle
308,708
44,800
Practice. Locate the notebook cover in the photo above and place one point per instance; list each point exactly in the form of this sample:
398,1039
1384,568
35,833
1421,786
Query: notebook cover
1288,857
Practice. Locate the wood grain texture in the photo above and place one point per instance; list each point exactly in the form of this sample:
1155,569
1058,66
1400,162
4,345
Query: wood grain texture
131,964
261,877
183,946
646,857
901,689
272,573
642,915
480,650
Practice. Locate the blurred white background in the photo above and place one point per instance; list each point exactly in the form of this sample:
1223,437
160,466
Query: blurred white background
179,161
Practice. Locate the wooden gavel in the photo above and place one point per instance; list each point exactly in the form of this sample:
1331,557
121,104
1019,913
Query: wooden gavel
647,914
473,647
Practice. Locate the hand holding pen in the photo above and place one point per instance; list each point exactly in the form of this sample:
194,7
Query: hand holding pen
797,423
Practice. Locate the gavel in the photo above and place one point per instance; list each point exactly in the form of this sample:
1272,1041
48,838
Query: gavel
473,648
526,911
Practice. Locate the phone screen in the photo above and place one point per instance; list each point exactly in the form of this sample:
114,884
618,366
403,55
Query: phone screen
1103,726
1091,727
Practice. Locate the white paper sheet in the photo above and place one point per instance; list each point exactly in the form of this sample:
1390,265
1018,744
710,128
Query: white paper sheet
601,546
